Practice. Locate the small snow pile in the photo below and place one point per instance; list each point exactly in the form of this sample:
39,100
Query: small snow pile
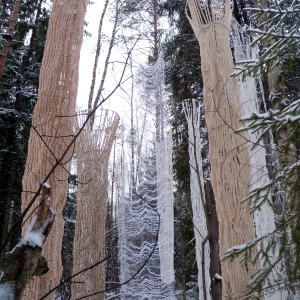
36,238
46,185
218,276
33,239
7,291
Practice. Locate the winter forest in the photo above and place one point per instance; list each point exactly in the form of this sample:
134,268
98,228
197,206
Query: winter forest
149,150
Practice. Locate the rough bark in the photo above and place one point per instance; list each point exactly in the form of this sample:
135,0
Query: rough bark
230,175
92,151
26,260
8,37
52,129
213,225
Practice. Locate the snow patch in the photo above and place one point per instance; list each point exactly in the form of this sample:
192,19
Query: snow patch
218,276
46,185
7,291
1,274
33,239
36,238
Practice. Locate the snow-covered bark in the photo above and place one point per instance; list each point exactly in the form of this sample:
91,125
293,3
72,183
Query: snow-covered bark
152,83
198,199
165,207
252,101
18,266
151,192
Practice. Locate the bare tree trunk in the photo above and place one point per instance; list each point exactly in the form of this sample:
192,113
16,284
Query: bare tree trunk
155,28
230,170
213,224
182,245
92,89
8,37
52,129
111,216
112,40
93,150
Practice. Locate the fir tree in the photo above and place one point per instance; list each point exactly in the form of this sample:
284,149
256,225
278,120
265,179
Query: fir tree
18,95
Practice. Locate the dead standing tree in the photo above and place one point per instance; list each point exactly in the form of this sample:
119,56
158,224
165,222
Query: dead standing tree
230,175
92,151
52,128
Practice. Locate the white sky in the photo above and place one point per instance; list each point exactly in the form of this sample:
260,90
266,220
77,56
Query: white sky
119,102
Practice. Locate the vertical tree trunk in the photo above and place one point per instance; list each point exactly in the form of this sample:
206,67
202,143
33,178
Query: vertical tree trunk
8,37
92,88
53,122
111,44
213,224
155,28
113,275
230,175
93,150
182,245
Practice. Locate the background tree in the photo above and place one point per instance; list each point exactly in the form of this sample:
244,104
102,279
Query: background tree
18,96
278,36
184,82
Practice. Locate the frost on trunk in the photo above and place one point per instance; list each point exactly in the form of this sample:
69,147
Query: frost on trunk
153,94
229,155
138,228
53,129
93,149
192,113
252,101
165,207
138,219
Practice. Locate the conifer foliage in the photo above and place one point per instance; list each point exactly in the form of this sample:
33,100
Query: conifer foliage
18,96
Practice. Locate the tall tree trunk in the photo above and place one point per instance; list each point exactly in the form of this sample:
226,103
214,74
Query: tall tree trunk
113,275
52,130
8,37
230,171
111,43
92,88
93,150
213,224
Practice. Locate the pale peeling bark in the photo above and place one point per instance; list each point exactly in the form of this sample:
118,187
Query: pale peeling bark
53,122
229,156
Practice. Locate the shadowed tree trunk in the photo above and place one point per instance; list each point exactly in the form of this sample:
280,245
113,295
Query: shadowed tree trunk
26,260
